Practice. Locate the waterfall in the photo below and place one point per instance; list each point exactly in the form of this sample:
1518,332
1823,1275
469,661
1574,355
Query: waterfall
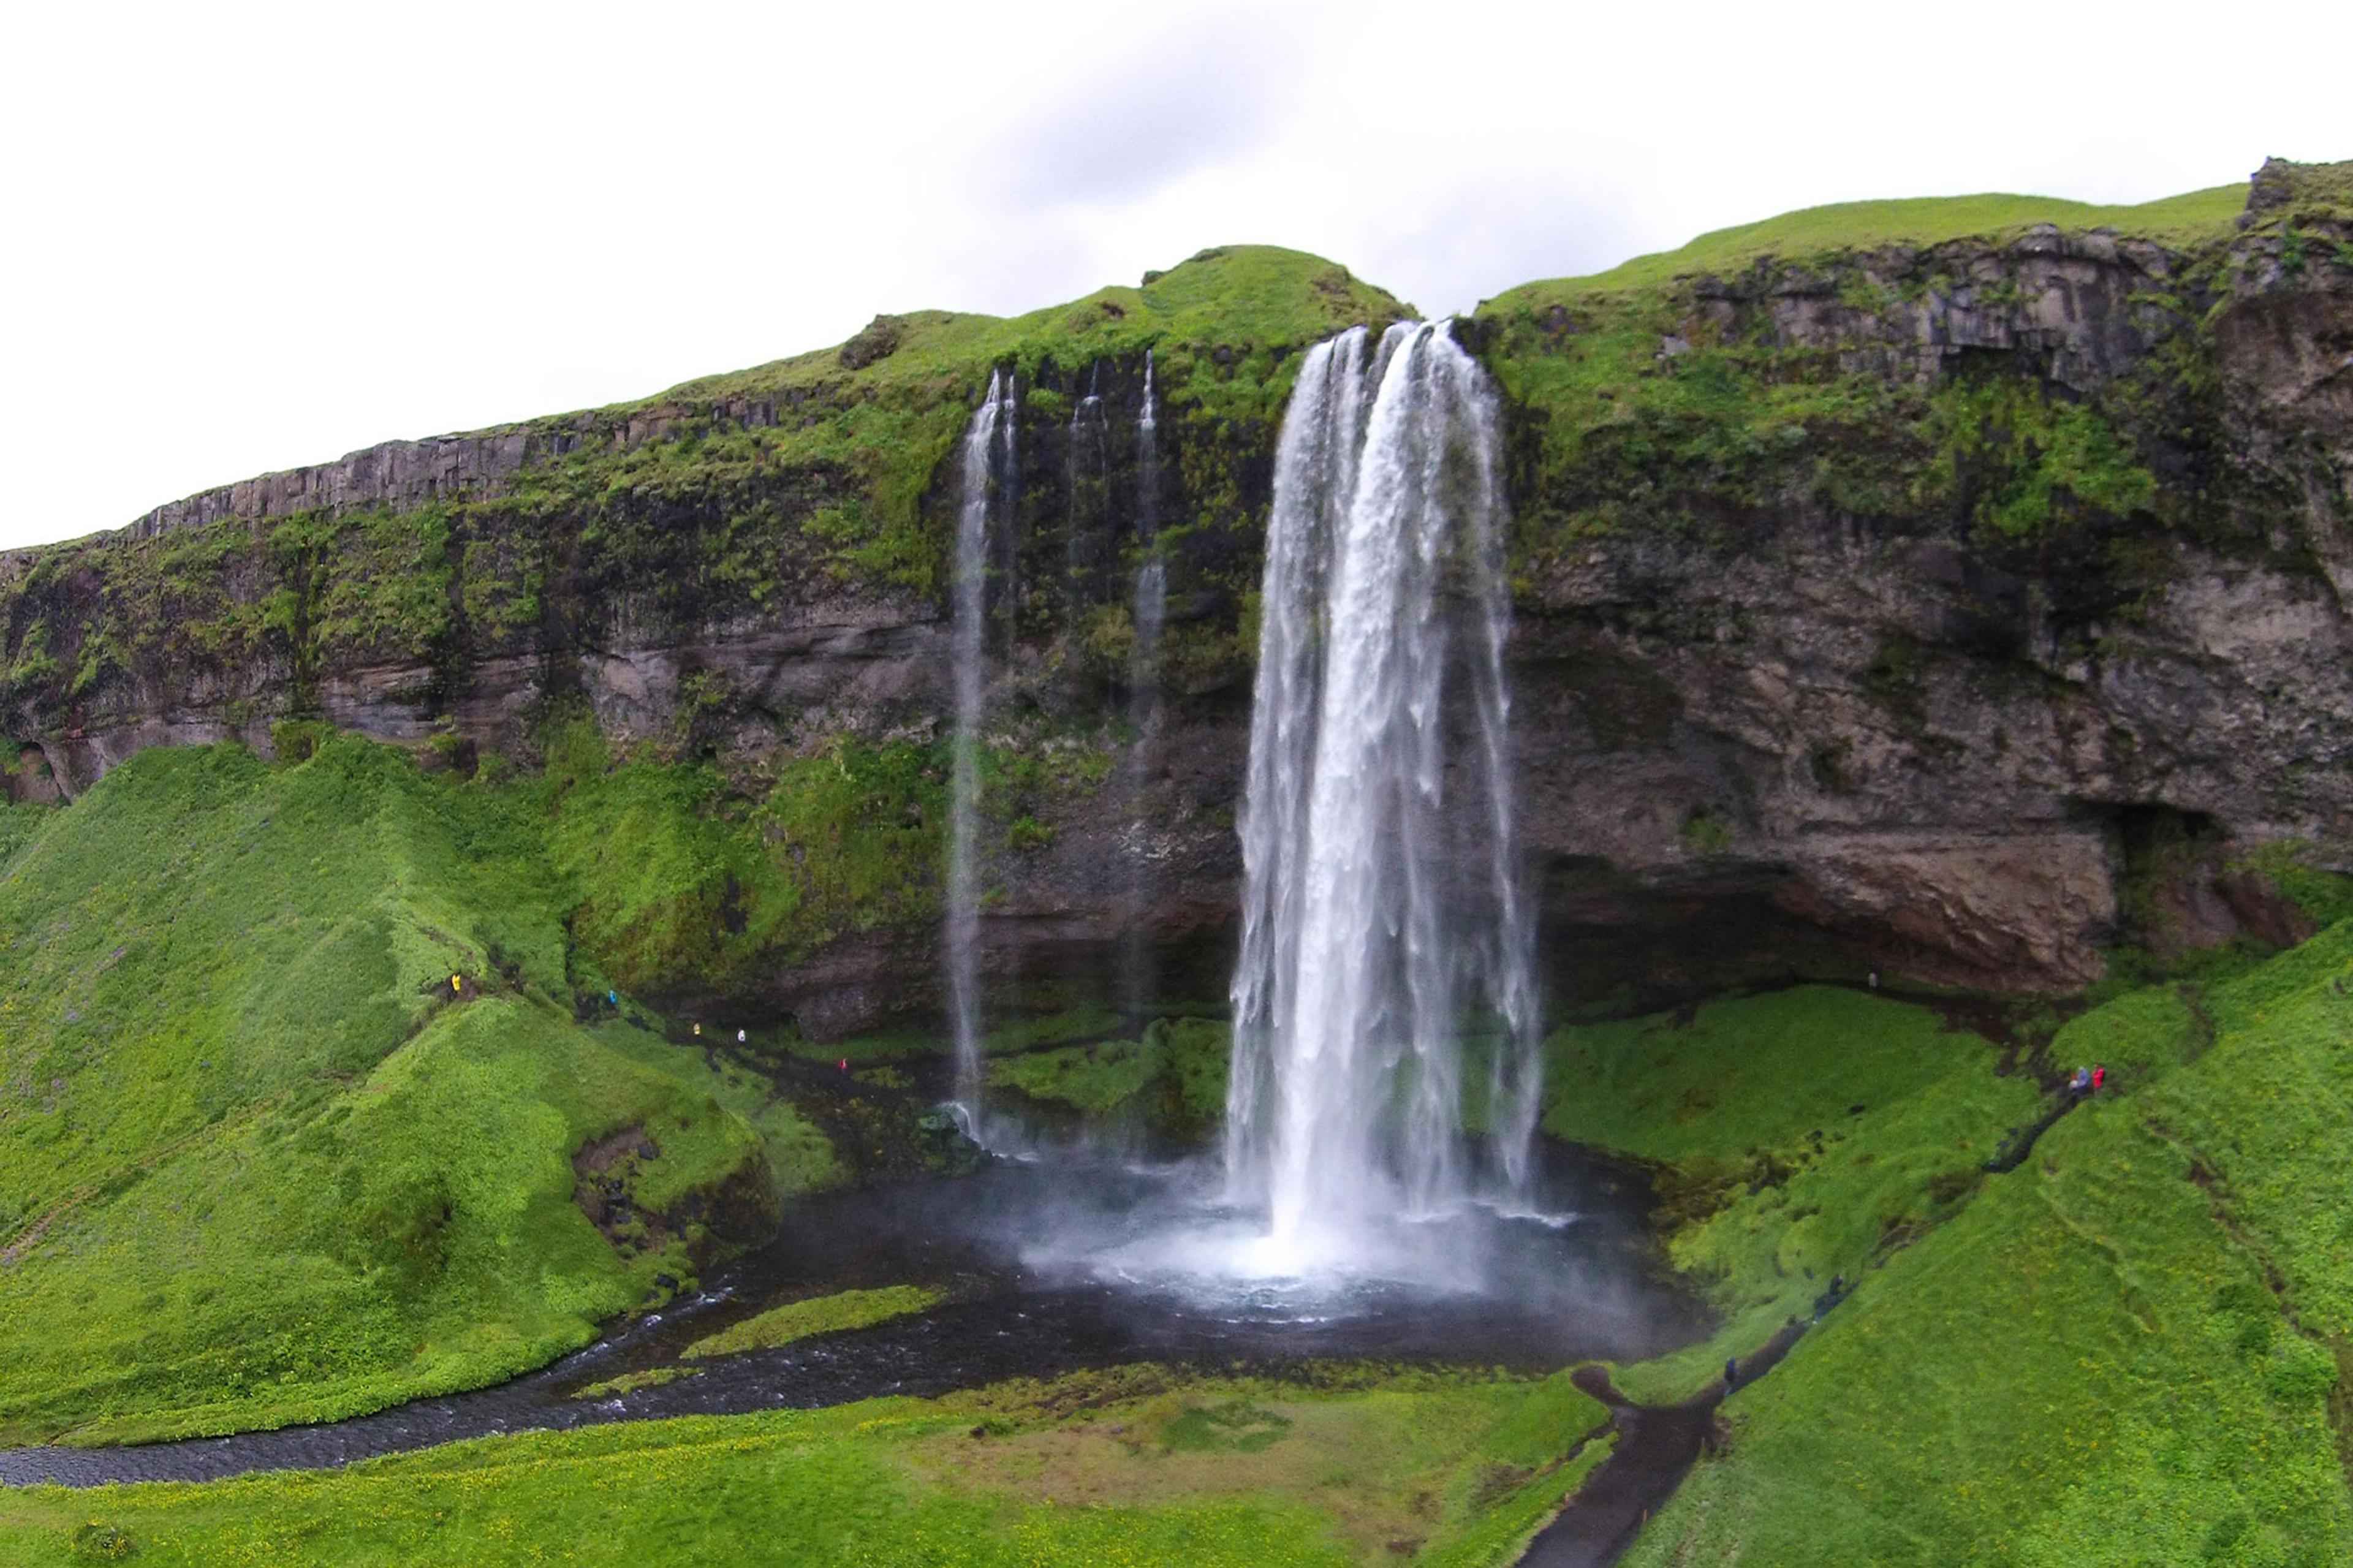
1149,611
988,443
1152,576
1082,543
1382,913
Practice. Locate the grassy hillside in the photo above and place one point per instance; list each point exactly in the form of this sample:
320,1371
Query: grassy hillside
1919,221
2137,1347
1128,1468
1797,1136
260,1161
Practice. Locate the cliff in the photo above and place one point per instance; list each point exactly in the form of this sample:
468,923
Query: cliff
1953,587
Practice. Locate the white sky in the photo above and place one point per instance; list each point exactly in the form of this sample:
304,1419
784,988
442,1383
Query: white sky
240,237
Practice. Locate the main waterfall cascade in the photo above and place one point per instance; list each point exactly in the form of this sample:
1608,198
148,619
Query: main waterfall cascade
1383,999
987,445
1382,1005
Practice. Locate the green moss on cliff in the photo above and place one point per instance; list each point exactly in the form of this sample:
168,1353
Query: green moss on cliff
1894,361
680,876
723,499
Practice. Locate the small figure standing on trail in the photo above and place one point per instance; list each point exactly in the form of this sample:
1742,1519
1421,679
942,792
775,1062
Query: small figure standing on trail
2099,1078
844,1064
739,1036
1731,1373
613,999
458,983
1875,980
2081,1084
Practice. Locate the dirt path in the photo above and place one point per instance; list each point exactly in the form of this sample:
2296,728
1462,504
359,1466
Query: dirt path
1657,1446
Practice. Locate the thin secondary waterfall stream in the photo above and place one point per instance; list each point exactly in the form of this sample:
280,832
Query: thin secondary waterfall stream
1383,999
988,444
1148,612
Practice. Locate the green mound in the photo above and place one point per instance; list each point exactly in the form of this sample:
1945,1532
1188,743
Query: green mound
630,1382
822,1315
1917,222
1173,1079
261,1162
2137,1347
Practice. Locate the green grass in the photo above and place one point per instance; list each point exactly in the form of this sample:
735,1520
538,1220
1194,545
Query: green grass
630,1382
18,824
1094,1080
1796,1135
799,1156
259,1163
726,876
1648,410
1172,1080
821,1315
1455,1470
1918,222
2132,1349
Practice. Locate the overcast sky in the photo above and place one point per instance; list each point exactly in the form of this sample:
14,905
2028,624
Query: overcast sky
240,237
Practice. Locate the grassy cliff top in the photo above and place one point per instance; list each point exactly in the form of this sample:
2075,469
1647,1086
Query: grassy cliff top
1225,296
1918,221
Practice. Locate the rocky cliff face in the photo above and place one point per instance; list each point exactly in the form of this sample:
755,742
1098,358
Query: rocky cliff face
1955,609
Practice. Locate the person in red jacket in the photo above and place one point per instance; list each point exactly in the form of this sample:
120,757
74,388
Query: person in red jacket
2099,1078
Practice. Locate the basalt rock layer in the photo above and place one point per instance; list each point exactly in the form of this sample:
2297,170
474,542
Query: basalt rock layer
1959,605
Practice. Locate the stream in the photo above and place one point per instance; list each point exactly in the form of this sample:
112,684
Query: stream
1050,1264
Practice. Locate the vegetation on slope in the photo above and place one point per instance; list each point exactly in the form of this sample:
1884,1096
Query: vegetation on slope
722,872
2136,1347
1133,1466
17,824
1796,1136
1916,221
1889,360
261,1160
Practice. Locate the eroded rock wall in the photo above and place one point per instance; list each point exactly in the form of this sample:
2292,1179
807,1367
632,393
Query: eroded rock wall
1862,605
